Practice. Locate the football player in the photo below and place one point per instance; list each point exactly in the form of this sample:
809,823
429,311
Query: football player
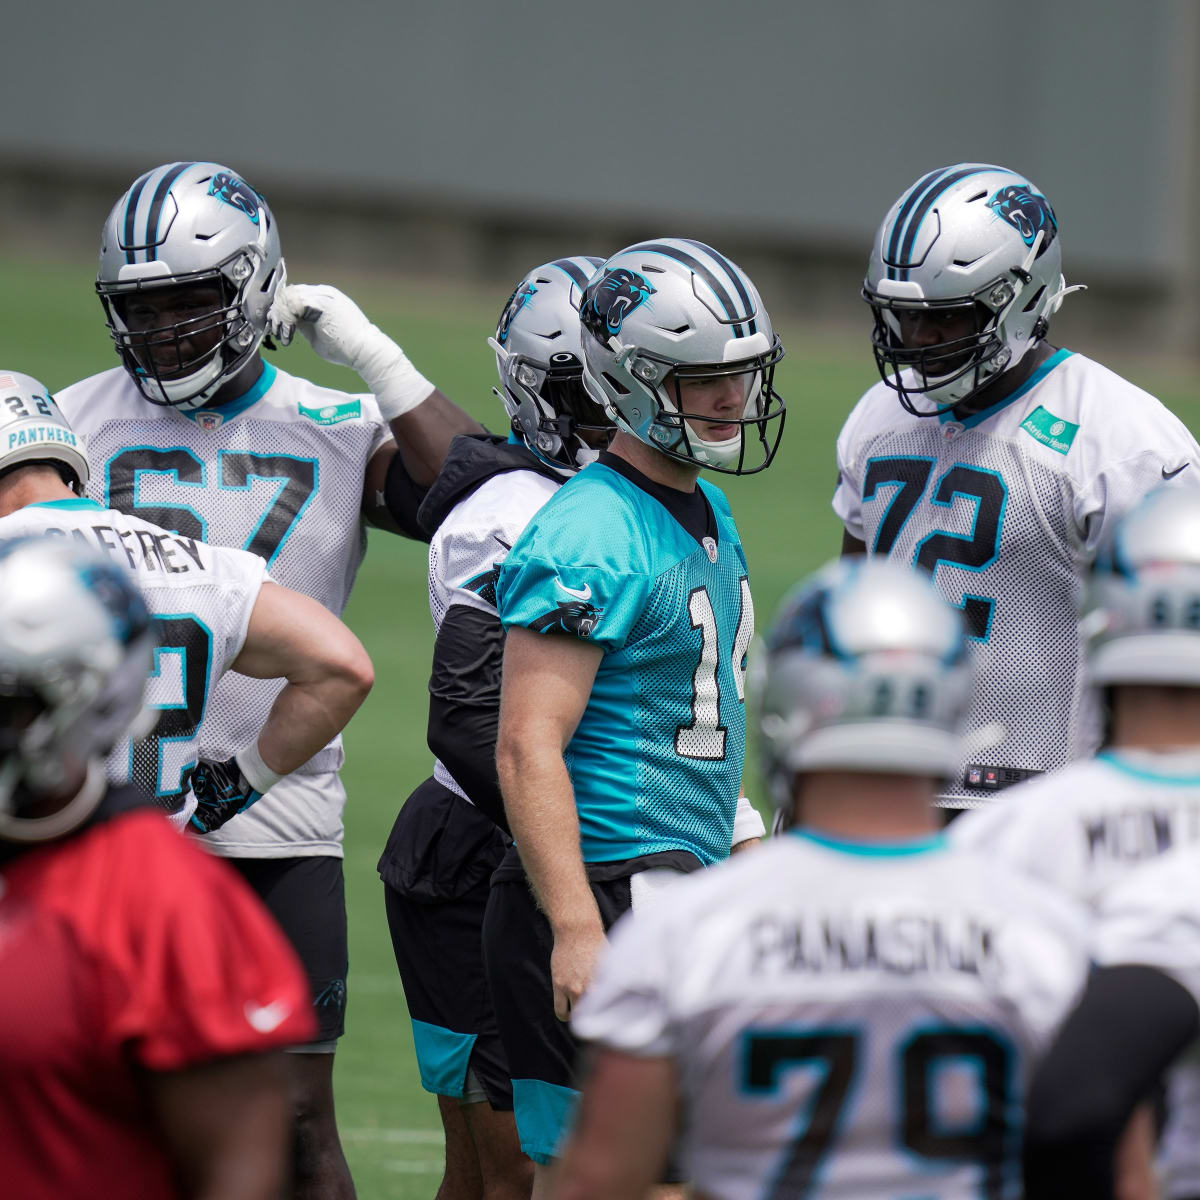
627,608
1084,828
214,610
1005,458
196,433
450,834
1139,1015
145,993
854,1009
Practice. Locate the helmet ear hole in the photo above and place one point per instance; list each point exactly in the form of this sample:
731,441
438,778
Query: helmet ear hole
616,385
1036,299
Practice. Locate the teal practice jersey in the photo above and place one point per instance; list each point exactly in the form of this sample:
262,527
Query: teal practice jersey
656,762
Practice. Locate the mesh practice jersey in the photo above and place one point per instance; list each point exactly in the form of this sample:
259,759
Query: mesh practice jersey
1087,826
278,472
847,1020
200,597
656,761
471,543
1004,508
1152,918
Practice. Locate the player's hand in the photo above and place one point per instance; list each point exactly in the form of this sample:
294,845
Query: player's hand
572,964
221,792
340,333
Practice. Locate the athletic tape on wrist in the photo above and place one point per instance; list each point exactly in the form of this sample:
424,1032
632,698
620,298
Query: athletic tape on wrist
747,823
258,775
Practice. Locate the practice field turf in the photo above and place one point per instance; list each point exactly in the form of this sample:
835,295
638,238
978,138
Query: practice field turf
51,327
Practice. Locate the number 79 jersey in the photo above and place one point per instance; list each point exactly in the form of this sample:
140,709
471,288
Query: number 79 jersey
847,1021
1004,509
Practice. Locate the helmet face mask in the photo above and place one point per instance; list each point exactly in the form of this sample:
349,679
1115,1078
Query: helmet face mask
973,251
540,363
188,230
680,350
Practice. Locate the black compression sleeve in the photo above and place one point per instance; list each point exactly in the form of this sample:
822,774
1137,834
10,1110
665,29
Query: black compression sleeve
464,704
403,498
1129,1026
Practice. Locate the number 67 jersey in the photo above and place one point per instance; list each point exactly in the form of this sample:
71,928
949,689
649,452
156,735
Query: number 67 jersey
1004,508
847,1020
277,472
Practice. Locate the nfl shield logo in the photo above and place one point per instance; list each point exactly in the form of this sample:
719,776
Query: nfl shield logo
209,421
710,548
951,430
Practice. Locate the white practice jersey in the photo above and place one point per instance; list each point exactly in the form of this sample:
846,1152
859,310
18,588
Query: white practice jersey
847,1021
1152,918
469,546
1084,828
200,597
1004,509
278,472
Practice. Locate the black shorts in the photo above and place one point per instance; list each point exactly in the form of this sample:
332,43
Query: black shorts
436,868
517,942
307,896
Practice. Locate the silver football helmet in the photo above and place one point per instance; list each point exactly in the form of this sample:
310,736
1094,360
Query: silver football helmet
203,236
1141,611
540,360
866,669
76,646
33,430
964,276
673,314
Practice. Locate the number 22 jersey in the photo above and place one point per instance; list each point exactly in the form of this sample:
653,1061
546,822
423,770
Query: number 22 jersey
278,472
1004,508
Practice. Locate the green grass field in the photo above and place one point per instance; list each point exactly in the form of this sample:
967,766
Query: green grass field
51,327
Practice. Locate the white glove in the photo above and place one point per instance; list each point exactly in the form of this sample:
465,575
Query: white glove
340,333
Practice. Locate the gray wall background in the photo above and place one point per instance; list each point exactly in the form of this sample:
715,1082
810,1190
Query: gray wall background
472,137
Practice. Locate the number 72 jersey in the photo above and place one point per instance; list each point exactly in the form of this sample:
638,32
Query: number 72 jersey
847,1022
1003,509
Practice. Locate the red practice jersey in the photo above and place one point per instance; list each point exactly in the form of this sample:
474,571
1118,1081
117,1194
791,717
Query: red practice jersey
124,949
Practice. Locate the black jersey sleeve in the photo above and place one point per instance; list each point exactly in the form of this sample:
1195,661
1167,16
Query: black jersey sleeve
464,704
1129,1026
403,498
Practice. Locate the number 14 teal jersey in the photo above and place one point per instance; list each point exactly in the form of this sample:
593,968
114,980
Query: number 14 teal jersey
656,762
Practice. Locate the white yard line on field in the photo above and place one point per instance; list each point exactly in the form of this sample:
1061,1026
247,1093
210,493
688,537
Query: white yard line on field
395,1137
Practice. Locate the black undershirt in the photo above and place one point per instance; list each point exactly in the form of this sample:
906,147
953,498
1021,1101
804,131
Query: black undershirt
691,509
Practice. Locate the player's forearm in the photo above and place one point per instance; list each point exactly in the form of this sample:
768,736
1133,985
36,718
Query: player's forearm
307,716
424,435
540,804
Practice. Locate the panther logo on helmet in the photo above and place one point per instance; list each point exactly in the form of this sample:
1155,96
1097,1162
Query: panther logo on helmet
610,299
516,302
1027,212
237,193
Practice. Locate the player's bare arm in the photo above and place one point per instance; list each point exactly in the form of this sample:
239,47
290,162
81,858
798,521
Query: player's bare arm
328,673
628,1101
547,681
227,1125
852,547
422,419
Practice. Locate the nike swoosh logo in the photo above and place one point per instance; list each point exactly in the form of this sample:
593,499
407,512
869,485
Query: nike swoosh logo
1171,474
583,593
502,542
266,1017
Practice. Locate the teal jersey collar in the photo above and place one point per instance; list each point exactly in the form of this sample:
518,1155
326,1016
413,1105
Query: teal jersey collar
235,408
900,848
1056,359
1156,767
73,502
